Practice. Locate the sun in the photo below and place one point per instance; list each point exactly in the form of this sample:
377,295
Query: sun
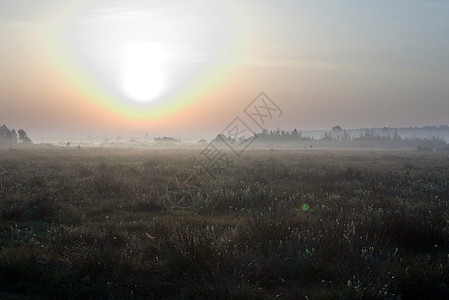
144,77
147,56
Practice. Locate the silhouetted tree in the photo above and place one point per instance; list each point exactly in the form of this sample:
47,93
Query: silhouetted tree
23,137
14,136
7,136
295,134
337,128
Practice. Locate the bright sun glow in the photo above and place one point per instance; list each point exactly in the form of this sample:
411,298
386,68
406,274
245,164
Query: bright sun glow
146,52
144,76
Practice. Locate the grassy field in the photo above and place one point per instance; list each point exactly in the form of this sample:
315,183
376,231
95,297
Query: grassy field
120,224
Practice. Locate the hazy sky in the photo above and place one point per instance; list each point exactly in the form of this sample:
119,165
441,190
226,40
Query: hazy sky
187,68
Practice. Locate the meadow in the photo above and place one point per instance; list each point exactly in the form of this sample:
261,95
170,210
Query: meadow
149,224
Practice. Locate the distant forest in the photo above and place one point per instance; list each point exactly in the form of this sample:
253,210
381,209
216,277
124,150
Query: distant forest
11,136
362,138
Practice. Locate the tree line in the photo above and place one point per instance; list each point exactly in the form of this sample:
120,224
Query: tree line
336,134
11,136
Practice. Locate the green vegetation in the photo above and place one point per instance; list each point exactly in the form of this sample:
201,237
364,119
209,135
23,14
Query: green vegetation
111,224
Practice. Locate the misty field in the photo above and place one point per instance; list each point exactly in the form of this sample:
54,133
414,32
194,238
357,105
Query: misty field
139,224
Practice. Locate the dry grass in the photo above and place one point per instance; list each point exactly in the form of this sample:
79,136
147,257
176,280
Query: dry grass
96,223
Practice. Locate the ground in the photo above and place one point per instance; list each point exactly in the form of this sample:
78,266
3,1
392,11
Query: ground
139,224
